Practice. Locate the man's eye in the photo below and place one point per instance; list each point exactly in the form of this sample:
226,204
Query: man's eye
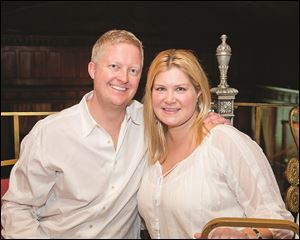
133,71
114,66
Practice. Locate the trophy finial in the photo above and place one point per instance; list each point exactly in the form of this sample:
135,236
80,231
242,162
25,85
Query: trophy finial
223,54
223,96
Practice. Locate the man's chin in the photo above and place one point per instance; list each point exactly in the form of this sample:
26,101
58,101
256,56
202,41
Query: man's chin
121,104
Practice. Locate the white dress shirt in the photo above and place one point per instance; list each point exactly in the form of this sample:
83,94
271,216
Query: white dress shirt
70,181
227,175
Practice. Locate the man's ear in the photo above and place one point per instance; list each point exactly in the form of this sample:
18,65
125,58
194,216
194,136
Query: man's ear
91,69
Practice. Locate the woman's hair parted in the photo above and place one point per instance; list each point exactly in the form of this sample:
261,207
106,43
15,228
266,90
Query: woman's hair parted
114,37
187,62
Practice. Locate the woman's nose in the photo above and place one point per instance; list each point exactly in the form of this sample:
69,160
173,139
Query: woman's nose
170,98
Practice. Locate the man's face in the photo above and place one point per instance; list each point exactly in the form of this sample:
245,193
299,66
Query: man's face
116,74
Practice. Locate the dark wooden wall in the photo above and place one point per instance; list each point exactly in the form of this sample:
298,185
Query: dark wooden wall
39,74
43,78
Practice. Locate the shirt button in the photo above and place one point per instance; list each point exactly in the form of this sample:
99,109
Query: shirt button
108,141
103,208
90,226
112,187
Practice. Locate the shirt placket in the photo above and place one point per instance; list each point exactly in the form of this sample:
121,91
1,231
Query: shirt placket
114,178
157,202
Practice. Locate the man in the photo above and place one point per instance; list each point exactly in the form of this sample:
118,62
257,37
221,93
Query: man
79,170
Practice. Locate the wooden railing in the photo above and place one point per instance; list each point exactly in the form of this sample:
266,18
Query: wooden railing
16,131
257,109
248,222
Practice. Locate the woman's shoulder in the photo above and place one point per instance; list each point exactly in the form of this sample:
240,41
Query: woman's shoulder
227,134
223,129
229,138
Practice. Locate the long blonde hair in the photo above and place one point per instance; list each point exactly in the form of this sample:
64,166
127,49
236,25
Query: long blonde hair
113,37
155,131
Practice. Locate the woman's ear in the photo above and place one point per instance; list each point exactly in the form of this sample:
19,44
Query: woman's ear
198,94
91,69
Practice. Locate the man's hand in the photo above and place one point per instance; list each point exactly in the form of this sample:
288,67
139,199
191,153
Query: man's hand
215,118
226,233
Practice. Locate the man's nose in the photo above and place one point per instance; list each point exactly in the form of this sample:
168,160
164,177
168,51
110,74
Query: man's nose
123,76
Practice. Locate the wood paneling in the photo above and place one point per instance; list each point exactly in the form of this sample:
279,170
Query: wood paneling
8,64
25,64
36,66
40,63
54,76
54,64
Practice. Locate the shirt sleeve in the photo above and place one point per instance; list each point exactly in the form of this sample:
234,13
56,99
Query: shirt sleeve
30,185
251,178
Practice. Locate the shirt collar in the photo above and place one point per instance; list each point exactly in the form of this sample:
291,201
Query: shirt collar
88,122
132,113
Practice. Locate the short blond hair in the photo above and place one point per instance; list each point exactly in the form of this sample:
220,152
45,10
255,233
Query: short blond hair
113,37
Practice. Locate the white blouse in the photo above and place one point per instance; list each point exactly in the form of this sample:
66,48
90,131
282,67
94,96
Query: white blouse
227,175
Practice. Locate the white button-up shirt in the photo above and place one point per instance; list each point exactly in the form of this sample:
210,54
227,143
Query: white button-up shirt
228,175
70,181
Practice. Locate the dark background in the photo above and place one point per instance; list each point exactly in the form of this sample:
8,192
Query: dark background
46,46
264,37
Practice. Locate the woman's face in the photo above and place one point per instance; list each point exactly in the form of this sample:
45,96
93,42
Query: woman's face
174,98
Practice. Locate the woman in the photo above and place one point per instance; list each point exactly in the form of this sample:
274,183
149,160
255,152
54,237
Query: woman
198,173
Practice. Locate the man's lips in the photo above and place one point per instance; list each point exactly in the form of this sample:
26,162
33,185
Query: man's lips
119,88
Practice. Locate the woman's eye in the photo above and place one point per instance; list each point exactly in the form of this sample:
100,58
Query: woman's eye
159,89
181,89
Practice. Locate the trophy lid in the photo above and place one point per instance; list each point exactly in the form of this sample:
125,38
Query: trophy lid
223,48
